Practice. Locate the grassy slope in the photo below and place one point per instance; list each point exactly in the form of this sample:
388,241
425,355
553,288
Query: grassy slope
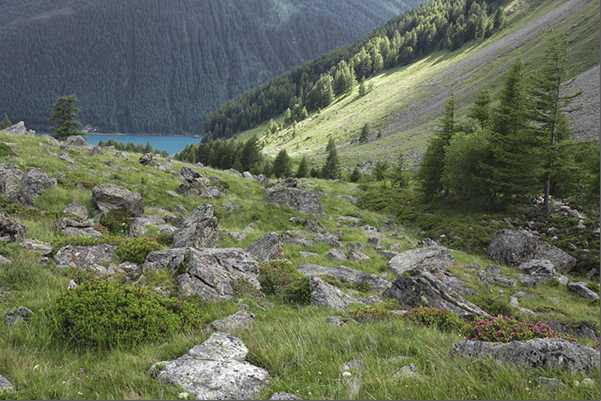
301,352
389,108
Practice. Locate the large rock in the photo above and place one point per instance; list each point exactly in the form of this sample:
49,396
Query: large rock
33,244
171,259
346,275
12,229
31,187
581,289
203,233
513,248
268,247
6,385
242,319
546,353
76,209
75,140
435,256
193,182
10,177
214,370
138,225
297,199
328,296
18,129
107,197
92,258
422,289
213,274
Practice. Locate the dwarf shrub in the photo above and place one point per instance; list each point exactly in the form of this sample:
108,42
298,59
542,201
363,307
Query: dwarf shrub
368,313
116,222
442,319
280,278
105,314
506,329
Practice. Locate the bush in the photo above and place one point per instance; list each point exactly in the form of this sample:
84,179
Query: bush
506,329
116,222
594,287
6,150
442,319
280,278
104,314
554,282
368,313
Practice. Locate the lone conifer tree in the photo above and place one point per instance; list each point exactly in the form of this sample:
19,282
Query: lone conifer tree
65,112
331,170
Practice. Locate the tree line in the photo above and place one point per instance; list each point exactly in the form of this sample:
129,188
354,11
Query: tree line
520,146
437,24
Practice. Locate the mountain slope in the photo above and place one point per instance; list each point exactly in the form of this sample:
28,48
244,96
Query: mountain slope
156,66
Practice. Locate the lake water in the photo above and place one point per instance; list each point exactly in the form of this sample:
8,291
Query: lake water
170,144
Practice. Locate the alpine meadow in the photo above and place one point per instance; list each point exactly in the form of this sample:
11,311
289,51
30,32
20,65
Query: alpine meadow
391,200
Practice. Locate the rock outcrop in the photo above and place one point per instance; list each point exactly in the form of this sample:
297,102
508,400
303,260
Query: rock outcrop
32,185
297,199
549,353
435,256
214,370
91,258
107,197
203,233
346,275
268,247
328,296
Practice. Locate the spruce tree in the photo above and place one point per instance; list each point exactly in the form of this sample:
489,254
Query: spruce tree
480,110
364,136
302,168
281,165
331,169
5,123
65,112
355,175
552,134
398,176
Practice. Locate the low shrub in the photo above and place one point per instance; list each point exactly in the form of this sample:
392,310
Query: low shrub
281,279
594,287
506,329
368,313
105,314
116,222
554,282
492,306
6,150
442,319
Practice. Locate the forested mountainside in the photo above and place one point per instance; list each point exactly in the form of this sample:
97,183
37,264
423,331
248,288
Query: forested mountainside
437,24
161,66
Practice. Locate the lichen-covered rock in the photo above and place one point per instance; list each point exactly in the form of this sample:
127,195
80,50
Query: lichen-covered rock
203,233
12,228
435,256
171,259
87,257
95,151
15,316
346,275
335,254
75,140
77,209
581,289
32,244
18,129
356,256
6,385
31,186
268,247
203,211
146,159
297,199
328,296
422,289
283,396
107,197
10,177
242,319
138,225
546,353
214,370
513,248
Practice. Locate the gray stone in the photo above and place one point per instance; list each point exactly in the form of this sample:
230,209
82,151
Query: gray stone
146,159
214,370
10,177
171,259
4,260
422,289
328,296
388,254
6,385
348,198
203,211
551,383
313,222
33,244
335,321
31,186
76,209
86,257
346,275
213,274
237,236
581,289
281,395
512,248
12,228
427,242
354,365
75,140
437,256
308,254
82,232
375,241
351,219
17,129
297,199
138,225
335,254
247,175
199,234
212,192
18,315
108,197
409,371
356,256
546,353
95,151
328,239
242,319
268,247
538,267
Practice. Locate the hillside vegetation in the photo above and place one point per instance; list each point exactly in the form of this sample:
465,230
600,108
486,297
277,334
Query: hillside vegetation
160,67
303,354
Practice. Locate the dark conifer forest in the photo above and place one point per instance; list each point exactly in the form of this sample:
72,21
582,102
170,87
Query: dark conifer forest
156,66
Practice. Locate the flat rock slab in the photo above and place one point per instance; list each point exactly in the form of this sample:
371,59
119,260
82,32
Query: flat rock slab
581,289
268,247
435,256
86,257
242,319
214,370
346,275
203,233
328,296
551,353
297,199
422,289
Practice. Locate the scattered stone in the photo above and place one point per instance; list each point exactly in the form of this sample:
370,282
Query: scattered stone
396,247
427,242
75,140
438,256
193,183
308,254
375,241
242,319
548,353
354,365
146,159
107,197
409,371
551,383
32,244
351,219
237,236
422,289
348,198
199,234
214,370
203,211
328,296
328,239
6,385
91,258
76,209
356,256
171,259
10,176
268,247
335,254
281,395
14,230
4,260
588,382
31,187
314,223
581,289
297,199
95,151
388,254
346,275
335,321
18,129
172,193
18,315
